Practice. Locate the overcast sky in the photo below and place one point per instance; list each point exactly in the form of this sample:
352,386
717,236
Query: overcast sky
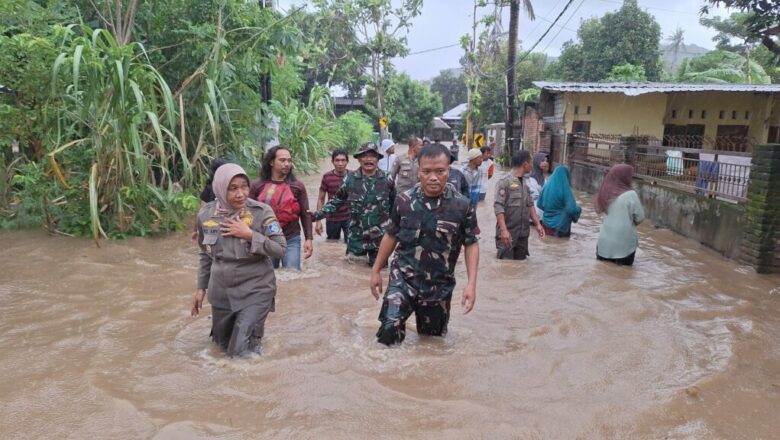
443,22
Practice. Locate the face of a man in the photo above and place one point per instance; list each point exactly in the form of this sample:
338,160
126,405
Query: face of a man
477,161
238,192
528,166
368,162
340,163
434,172
486,155
282,163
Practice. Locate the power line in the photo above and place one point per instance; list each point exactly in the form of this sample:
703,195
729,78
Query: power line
567,22
547,31
653,7
433,49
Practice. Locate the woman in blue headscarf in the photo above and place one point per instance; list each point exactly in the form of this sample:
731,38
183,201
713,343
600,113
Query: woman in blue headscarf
558,203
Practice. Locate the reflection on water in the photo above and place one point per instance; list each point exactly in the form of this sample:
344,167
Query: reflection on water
99,343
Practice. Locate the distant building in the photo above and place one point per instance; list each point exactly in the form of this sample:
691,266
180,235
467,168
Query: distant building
439,130
343,105
703,116
454,117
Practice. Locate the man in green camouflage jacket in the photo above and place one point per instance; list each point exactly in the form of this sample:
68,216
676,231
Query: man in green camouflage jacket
429,224
370,195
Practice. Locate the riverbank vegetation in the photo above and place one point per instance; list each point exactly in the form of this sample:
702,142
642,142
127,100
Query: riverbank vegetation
112,111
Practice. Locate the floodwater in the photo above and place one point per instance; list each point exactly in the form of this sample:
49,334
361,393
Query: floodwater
98,343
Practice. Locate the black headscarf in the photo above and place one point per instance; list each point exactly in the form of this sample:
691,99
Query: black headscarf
537,173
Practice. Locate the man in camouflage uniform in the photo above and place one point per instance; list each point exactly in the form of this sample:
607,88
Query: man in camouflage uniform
429,224
371,195
514,210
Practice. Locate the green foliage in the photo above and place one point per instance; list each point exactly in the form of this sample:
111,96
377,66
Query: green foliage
114,139
334,55
450,84
355,129
491,98
629,35
722,67
760,20
626,73
410,105
735,35
310,131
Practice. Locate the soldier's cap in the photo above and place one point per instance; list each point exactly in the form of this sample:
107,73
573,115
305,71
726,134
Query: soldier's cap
473,154
368,148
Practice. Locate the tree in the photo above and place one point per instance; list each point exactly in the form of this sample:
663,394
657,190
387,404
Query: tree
626,73
629,35
677,43
721,66
734,35
334,55
762,22
410,105
511,85
451,86
379,27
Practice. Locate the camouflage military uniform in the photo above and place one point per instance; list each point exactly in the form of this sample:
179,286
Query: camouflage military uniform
513,199
371,200
430,234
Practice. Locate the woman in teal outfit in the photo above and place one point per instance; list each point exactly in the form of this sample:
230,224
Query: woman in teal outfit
558,203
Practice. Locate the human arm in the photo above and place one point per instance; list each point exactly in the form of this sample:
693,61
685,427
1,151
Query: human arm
572,208
637,211
204,274
534,215
472,263
499,206
537,222
386,248
394,169
333,204
320,203
306,221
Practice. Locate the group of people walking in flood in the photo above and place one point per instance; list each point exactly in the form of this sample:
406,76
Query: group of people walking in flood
417,207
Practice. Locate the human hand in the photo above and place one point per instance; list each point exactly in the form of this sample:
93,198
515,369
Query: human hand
308,249
197,301
540,230
236,228
469,298
376,284
506,237
318,228
194,236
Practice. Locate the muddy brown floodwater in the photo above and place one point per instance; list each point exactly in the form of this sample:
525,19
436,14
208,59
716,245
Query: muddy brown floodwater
98,343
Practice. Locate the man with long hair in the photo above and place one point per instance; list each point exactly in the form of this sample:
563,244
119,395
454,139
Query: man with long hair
286,195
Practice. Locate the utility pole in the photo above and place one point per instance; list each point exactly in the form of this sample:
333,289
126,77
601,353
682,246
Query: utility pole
470,77
511,85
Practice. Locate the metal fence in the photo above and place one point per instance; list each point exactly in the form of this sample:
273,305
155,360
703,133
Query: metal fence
709,173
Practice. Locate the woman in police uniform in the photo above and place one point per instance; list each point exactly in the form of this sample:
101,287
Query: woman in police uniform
237,236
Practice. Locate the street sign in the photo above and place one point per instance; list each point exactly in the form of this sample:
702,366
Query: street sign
479,140
383,122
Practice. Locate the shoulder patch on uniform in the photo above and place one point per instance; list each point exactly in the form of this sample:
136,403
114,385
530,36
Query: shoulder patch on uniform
273,228
210,224
501,191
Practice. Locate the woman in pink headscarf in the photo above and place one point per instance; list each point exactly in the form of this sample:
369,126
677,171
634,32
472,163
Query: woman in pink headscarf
618,238
238,237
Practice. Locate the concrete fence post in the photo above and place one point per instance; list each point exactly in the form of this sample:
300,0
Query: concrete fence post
761,237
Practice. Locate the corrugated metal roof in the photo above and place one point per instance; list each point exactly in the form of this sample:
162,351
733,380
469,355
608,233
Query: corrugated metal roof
456,112
438,123
634,89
